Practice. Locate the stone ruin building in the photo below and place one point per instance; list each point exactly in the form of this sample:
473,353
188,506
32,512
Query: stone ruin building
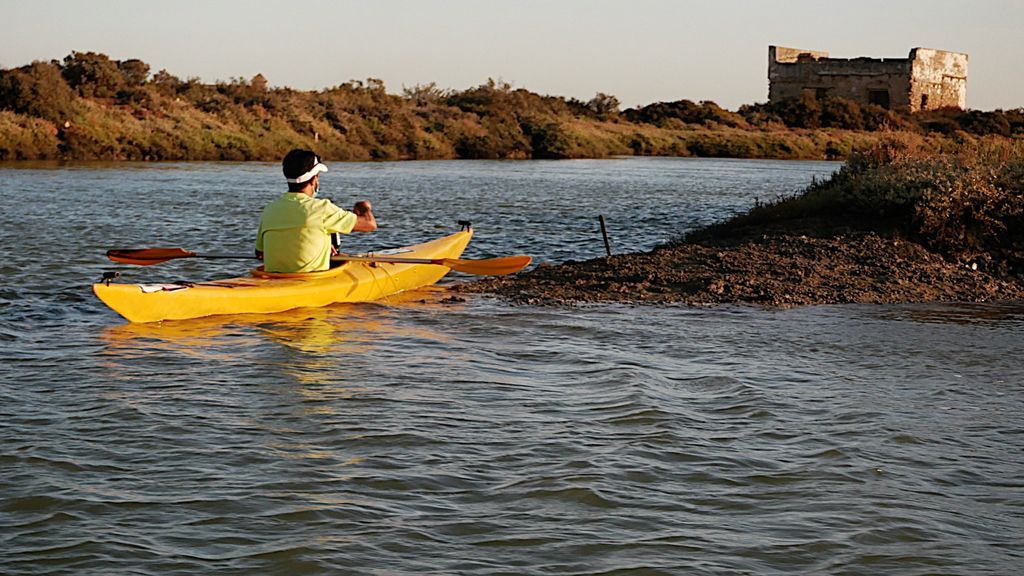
927,79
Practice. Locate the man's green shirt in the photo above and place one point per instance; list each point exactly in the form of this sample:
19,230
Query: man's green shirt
294,233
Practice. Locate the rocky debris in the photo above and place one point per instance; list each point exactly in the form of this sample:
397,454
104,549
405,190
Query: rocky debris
773,269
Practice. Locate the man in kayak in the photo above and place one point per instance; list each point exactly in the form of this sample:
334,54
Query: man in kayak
295,230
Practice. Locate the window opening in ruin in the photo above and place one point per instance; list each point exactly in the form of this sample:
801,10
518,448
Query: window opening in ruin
924,101
820,93
879,97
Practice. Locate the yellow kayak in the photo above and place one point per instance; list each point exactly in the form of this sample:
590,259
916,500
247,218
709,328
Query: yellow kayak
265,292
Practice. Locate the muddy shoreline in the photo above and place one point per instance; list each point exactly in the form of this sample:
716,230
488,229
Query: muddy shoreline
767,267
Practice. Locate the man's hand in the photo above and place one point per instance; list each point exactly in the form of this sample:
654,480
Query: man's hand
365,222
362,208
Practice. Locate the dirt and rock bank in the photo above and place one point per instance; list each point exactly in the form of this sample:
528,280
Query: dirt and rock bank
897,223
771,269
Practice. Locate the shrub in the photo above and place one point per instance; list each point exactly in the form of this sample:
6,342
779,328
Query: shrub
26,138
603,106
984,123
973,208
93,75
37,90
801,112
135,72
841,113
760,114
548,139
686,111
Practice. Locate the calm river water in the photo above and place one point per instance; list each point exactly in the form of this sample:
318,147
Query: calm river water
421,436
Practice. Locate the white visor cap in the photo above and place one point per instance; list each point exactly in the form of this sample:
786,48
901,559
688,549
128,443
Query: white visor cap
316,169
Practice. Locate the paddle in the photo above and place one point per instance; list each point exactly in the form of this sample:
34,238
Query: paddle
483,267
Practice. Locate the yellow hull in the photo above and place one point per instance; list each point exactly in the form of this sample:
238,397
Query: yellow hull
263,293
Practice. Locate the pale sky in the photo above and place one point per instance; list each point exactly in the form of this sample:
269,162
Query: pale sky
641,51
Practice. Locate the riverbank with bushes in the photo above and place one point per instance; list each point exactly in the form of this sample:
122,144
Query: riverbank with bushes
91,107
898,223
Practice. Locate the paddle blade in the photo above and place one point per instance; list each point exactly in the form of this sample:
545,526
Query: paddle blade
148,256
489,266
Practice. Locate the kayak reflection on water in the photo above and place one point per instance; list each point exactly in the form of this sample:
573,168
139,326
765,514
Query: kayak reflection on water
331,330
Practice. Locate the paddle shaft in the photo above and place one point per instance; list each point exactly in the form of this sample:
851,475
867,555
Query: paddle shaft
337,258
484,267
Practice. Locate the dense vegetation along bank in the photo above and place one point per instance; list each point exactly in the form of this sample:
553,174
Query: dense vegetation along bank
895,224
88,106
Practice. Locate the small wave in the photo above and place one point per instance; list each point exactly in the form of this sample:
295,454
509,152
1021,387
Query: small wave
905,439
712,383
903,533
749,411
43,520
642,416
65,550
711,389
586,496
829,453
34,503
523,542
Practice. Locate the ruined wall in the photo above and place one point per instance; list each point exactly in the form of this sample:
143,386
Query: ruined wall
938,79
882,81
931,77
783,54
